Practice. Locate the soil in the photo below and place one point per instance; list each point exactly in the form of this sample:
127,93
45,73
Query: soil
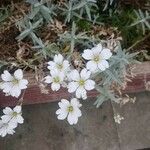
8,2
8,31
8,43
137,4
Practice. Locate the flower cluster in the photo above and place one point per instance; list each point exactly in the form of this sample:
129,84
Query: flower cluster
76,81
61,73
12,85
58,72
10,120
118,118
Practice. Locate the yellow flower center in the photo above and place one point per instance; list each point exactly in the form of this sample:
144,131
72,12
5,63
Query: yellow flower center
96,59
81,82
70,109
15,81
56,80
15,114
59,66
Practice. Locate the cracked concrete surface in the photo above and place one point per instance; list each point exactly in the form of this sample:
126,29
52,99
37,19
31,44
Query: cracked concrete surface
96,130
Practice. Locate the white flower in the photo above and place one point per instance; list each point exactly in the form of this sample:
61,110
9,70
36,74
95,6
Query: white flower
69,110
118,118
59,63
80,83
56,79
10,120
6,128
13,116
12,85
97,57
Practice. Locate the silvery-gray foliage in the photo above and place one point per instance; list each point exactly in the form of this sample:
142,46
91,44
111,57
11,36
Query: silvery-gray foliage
73,38
78,9
105,94
71,12
46,49
4,13
114,74
86,7
42,10
108,3
143,20
32,1
28,29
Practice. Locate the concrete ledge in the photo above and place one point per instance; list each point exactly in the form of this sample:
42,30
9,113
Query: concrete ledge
33,94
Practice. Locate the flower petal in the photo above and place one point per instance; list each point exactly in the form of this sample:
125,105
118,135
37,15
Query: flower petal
81,93
75,102
7,110
92,66
61,76
77,112
85,74
62,114
15,91
87,54
106,53
20,119
54,72
3,131
97,49
74,75
10,130
72,119
7,86
17,109
23,84
6,118
55,86
18,74
51,65
72,86
13,123
66,65
6,76
48,79
103,65
58,58
64,103
89,85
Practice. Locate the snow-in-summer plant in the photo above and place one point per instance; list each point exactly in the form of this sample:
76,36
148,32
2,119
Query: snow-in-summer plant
102,68
78,81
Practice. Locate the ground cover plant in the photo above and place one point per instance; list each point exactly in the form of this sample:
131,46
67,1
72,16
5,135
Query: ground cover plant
79,45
